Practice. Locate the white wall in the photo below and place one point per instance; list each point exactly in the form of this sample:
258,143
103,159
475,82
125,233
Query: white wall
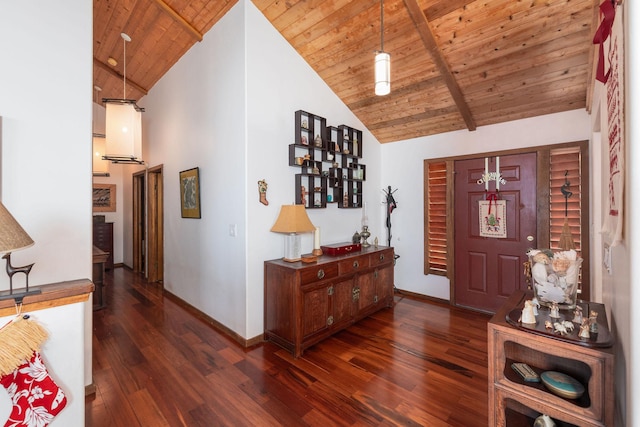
195,117
280,82
403,169
228,107
45,82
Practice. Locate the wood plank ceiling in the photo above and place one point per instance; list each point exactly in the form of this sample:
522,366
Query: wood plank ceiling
455,64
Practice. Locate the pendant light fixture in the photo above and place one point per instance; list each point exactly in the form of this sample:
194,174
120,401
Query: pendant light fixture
382,64
123,123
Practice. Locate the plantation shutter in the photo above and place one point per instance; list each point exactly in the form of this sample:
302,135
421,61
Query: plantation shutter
437,218
565,165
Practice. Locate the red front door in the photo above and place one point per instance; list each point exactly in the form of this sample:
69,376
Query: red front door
488,269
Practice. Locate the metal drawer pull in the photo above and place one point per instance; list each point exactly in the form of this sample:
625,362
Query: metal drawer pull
356,264
320,274
381,257
330,321
355,294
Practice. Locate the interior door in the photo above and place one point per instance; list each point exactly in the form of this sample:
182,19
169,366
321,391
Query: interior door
489,269
155,239
139,223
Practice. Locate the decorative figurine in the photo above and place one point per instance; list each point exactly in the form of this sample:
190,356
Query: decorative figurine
318,141
536,306
528,317
584,329
577,315
345,200
554,311
262,190
548,324
303,195
305,124
303,140
356,237
593,322
544,421
559,328
375,242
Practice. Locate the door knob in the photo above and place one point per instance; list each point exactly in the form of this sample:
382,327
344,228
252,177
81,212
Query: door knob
530,238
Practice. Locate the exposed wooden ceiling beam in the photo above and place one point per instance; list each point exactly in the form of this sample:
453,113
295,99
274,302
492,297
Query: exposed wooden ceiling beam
114,73
179,19
422,25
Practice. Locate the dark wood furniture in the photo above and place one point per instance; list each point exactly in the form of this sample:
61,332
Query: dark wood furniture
99,260
512,402
305,303
103,239
328,158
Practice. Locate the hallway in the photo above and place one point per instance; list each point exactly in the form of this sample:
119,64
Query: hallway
419,363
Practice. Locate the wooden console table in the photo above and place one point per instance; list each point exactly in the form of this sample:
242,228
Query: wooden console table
513,402
306,303
99,260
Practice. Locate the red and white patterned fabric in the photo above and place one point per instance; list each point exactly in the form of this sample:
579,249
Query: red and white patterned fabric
36,398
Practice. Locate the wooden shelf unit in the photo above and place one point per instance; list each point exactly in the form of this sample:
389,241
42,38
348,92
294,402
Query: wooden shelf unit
329,162
513,402
306,303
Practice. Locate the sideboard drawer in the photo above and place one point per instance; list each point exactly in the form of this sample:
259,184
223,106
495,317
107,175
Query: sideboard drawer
353,265
380,258
318,272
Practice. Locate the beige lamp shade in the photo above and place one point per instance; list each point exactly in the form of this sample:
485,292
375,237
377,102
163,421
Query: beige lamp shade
123,130
12,235
100,166
293,219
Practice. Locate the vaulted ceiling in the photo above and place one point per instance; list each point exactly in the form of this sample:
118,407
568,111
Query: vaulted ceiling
455,64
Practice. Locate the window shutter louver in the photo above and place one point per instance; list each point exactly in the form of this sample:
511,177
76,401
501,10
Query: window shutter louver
437,217
565,161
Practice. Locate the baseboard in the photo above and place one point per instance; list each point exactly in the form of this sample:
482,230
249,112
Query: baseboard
90,389
246,343
417,296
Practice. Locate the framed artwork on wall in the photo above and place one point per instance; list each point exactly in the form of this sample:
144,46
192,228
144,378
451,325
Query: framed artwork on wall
104,197
190,193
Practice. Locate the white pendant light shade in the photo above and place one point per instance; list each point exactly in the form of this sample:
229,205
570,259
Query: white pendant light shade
383,73
123,132
100,166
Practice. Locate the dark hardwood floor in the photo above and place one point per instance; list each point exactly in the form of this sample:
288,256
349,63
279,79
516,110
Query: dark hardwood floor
418,364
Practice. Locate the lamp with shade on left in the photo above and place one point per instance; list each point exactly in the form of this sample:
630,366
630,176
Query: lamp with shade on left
13,238
292,221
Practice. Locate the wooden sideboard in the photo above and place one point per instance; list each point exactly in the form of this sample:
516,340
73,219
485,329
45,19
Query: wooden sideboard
305,303
103,239
513,402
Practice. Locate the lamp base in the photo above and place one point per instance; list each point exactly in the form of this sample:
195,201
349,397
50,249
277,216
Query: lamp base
292,252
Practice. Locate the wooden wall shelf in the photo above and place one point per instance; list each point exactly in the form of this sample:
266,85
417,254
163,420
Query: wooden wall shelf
52,295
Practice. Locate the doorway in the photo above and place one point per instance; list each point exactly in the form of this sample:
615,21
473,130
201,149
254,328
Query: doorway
148,220
155,240
488,269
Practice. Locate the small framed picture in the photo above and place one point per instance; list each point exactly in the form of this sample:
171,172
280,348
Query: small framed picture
104,197
190,193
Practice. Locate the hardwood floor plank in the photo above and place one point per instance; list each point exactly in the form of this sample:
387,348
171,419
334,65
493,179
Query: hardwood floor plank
417,364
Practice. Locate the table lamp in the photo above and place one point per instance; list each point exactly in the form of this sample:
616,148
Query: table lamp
292,220
13,238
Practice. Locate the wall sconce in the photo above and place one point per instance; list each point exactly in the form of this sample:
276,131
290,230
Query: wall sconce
100,165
